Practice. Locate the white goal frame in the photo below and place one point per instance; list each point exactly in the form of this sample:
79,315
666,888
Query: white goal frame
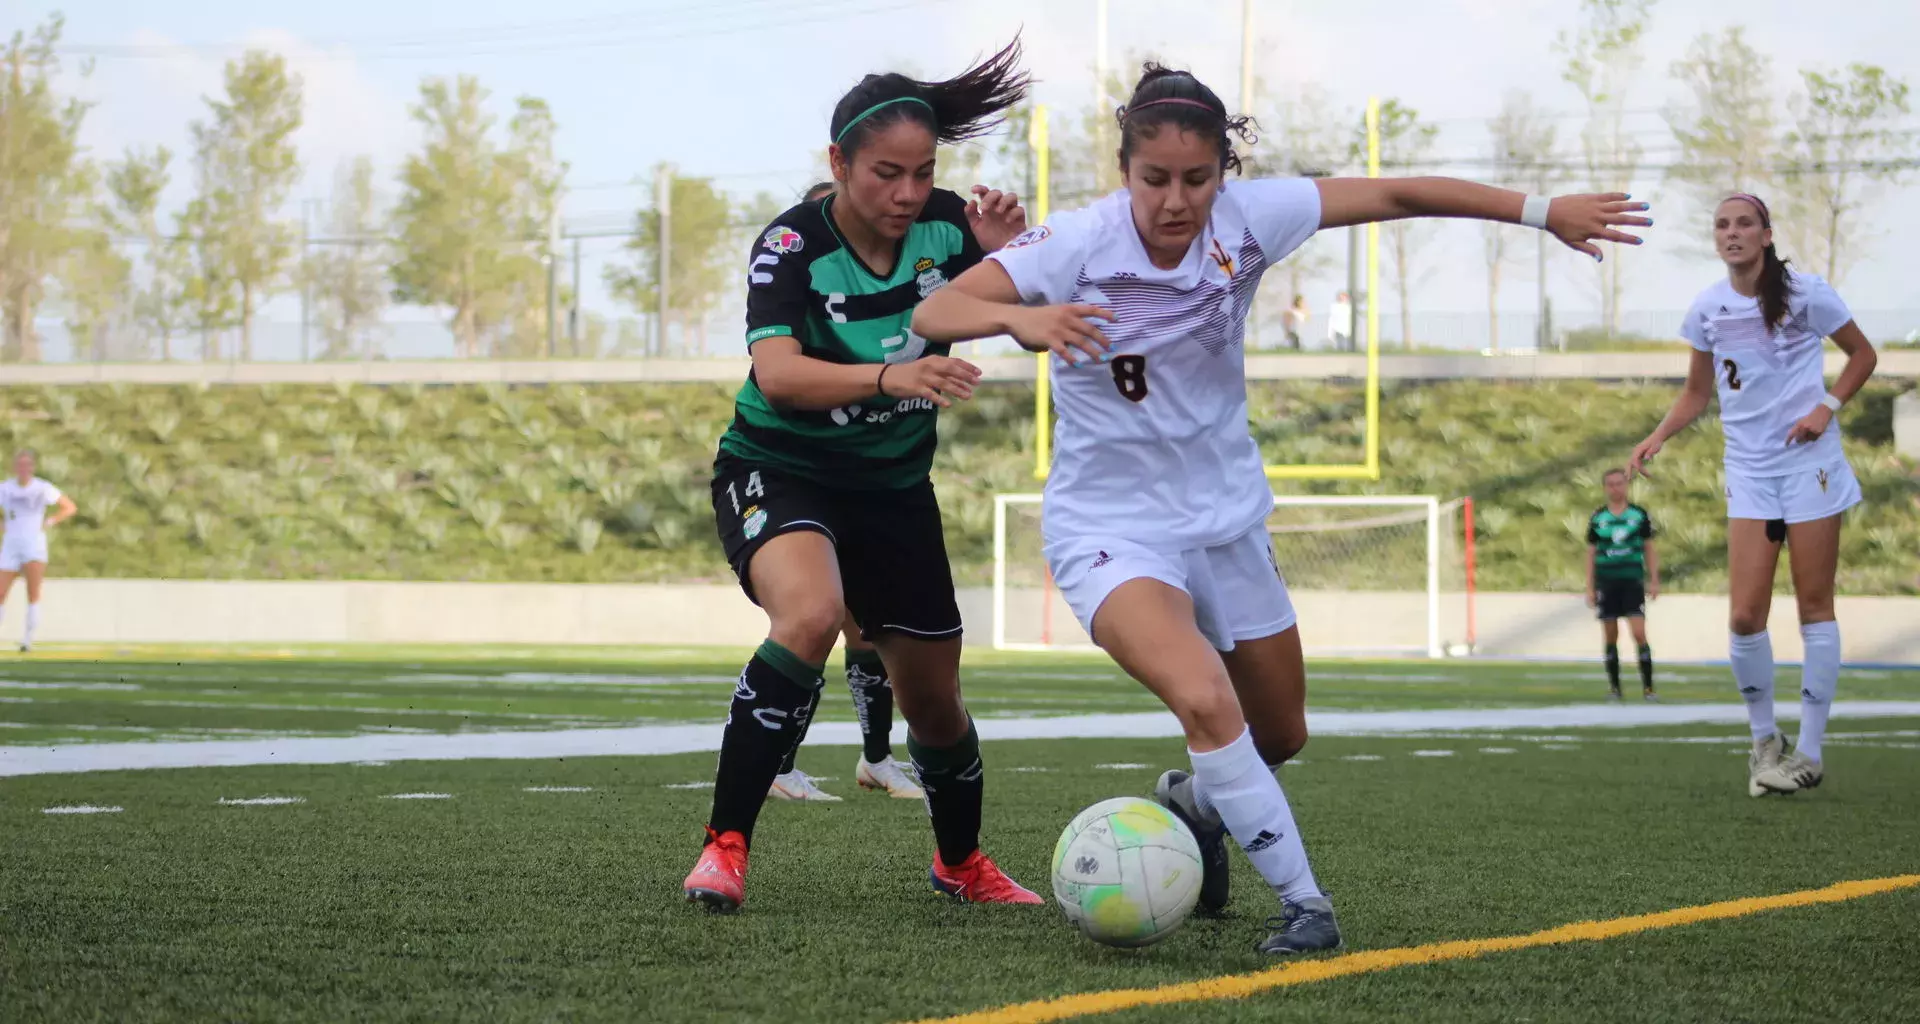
1433,506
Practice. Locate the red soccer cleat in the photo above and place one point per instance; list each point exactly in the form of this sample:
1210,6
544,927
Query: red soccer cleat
979,880
719,879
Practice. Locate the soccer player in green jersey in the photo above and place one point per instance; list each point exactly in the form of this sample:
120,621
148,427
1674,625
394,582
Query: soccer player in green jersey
1623,574
821,487
872,703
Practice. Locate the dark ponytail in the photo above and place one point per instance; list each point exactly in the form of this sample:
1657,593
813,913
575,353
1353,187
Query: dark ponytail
820,190
963,107
1164,96
1776,281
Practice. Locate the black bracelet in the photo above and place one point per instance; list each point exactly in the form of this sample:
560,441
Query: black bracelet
880,382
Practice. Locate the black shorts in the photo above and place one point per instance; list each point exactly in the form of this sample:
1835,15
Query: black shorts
894,574
1620,599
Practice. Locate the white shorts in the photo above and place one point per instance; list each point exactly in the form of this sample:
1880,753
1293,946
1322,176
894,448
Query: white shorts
1799,497
17,551
1236,587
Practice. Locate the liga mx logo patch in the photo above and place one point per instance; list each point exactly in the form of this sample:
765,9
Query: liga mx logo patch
1030,237
783,239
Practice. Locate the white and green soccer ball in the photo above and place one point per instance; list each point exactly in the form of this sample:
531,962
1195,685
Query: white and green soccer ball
1126,872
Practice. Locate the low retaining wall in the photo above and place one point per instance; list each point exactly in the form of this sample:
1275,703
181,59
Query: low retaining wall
1683,627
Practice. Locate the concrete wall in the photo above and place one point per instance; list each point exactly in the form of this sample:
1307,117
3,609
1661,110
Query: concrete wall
1682,627
1668,365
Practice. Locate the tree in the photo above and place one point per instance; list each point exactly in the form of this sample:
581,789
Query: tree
94,281
1603,61
704,244
1842,149
134,184
246,167
453,222
1405,142
534,179
1522,148
347,272
1726,130
1305,135
43,181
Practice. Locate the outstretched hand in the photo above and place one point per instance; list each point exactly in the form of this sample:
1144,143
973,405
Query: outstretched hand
1578,221
996,217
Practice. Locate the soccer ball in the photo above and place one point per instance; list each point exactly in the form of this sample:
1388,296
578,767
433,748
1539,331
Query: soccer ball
1126,872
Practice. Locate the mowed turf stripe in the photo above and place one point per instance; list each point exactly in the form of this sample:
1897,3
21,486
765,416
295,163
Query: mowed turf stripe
1306,972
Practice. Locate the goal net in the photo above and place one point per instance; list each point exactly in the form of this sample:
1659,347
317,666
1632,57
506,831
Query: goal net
1369,575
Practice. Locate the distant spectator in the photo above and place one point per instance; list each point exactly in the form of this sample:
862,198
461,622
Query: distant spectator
1340,323
1295,319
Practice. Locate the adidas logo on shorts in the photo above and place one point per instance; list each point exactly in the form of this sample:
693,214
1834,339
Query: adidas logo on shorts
1102,559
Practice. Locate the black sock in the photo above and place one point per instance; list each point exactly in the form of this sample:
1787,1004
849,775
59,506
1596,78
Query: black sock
793,752
872,703
954,779
1613,668
771,705
1646,668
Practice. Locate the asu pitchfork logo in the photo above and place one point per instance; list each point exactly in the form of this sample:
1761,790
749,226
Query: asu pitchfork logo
1822,477
1221,259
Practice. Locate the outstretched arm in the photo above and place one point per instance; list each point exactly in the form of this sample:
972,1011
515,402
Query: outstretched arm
1687,407
1577,220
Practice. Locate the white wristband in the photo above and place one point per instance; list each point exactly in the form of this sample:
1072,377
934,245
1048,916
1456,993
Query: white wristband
1833,404
1533,213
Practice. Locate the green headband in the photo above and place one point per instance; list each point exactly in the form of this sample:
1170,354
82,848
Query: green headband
864,114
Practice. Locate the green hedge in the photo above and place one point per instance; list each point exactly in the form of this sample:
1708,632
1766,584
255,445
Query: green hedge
609,482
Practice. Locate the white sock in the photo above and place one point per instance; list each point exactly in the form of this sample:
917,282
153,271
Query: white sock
1819,679
33,623
1236,784
1752,657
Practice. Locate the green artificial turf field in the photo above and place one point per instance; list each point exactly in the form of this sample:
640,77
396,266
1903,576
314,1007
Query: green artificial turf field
546,886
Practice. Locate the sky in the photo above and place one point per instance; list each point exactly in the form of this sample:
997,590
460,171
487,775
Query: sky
741,91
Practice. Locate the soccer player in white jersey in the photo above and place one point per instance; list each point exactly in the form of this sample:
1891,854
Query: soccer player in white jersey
24,500
1156,507
1757,336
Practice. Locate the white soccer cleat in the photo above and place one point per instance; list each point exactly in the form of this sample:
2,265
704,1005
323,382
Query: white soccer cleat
1791,774
889,778
798,785
1765,757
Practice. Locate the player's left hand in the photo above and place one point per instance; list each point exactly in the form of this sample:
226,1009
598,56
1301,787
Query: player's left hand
1653,590
1811,426
995,216
1580,220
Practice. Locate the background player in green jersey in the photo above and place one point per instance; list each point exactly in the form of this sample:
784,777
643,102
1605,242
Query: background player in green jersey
821,487
1623,573
872,703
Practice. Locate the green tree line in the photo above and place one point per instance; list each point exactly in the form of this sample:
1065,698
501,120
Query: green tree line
468,224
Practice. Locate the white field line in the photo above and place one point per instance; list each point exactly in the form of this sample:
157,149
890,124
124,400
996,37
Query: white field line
82,809
262,801
705,737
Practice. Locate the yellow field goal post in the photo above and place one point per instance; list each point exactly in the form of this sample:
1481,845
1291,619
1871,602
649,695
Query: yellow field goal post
1368,468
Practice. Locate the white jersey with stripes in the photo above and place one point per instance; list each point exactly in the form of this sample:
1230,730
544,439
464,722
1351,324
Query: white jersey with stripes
1769,379
1153,446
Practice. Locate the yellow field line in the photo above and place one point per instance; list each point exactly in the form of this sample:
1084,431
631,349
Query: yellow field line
1306,972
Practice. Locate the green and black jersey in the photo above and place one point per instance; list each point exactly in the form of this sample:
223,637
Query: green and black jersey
1620,543
804,282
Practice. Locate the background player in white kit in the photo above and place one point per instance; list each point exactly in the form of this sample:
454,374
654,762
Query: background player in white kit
1156,506
24,500
1757,336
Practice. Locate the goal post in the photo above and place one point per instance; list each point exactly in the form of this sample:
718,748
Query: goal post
1369,575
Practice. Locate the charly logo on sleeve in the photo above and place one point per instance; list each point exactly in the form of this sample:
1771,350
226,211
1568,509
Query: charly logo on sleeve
1030,236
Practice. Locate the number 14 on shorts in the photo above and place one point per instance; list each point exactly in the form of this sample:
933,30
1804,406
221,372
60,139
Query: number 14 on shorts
754,489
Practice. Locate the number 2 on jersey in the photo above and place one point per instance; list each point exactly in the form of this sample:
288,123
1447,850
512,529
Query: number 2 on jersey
1733,374
1130,376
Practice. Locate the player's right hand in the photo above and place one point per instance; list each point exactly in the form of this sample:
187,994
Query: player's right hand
1062,330
1643,453
938,379
1593,599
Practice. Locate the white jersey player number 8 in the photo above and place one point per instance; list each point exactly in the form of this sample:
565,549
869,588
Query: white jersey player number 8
1153,445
